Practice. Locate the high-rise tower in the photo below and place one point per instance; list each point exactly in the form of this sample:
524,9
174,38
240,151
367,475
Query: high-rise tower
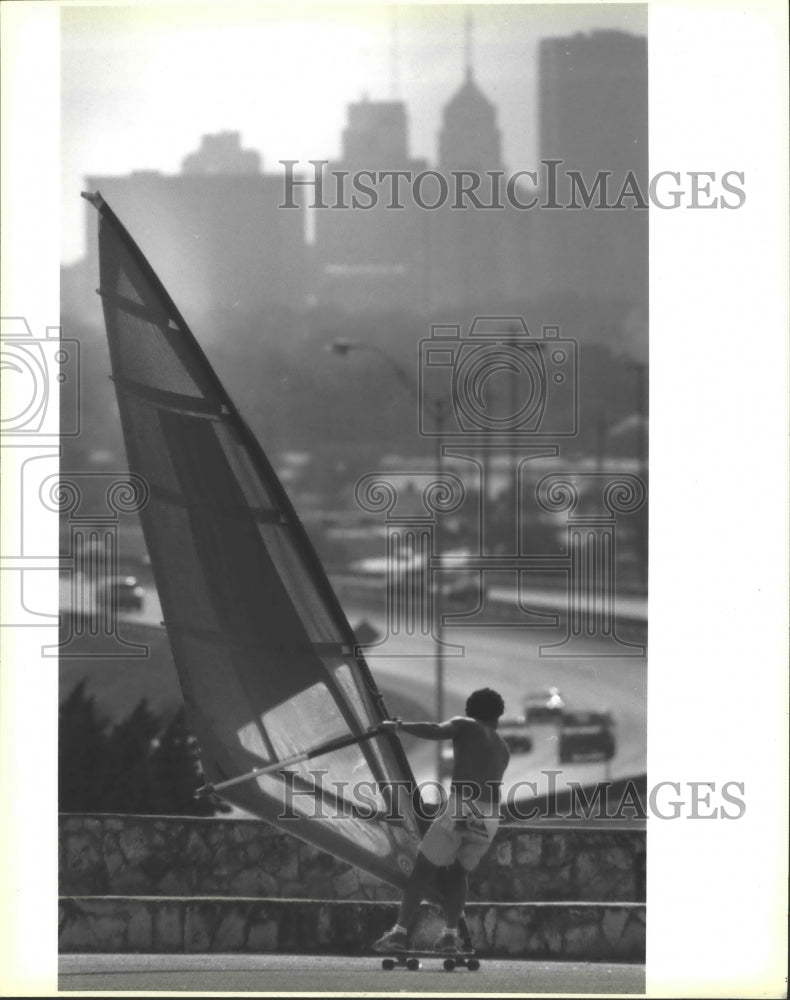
371,258
593,117
593,102
376,136
470,138
214,232
469,245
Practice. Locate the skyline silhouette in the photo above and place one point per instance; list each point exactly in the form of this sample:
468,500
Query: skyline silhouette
221,227
137,94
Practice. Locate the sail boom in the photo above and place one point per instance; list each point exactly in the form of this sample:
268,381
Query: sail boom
280,765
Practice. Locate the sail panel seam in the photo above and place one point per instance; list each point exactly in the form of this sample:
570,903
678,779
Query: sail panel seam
262,515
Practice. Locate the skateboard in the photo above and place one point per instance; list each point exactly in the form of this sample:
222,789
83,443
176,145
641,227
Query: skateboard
411,960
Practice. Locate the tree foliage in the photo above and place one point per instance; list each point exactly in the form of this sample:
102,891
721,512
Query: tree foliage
144,764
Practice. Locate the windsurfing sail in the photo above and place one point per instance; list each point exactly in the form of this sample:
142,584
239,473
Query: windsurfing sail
264,653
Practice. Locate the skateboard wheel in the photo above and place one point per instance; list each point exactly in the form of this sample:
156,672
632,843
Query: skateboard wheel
412,964
449,964
388,964
473,964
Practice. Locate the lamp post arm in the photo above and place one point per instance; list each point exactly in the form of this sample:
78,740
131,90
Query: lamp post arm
344,347
403,376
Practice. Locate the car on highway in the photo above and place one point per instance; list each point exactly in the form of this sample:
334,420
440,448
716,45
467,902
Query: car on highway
543,705
586,734
464,588
125,591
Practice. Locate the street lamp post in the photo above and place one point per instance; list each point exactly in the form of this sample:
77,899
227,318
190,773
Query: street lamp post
640,370
438,411
438,414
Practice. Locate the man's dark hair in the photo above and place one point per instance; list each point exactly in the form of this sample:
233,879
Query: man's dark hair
485,704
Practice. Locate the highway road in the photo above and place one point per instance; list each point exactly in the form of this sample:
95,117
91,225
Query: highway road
510,660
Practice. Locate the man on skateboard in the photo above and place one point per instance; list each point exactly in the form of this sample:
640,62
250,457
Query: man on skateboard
462,832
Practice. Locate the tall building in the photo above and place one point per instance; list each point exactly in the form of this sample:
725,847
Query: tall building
594,117
214,233
222,153
374,258
593,101
376,136
470,246
469,138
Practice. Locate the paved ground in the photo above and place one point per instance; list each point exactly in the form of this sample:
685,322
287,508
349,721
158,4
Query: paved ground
301,974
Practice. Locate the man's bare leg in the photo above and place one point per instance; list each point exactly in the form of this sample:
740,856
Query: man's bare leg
424,873
455,892
441,889
465,935
422,878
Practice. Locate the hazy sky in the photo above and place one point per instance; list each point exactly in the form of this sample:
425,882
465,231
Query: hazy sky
141,84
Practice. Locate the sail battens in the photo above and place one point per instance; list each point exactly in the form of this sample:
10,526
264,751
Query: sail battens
261,515
253,643
262,647
167,400
138,309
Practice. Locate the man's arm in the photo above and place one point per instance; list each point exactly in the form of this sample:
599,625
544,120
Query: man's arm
424,730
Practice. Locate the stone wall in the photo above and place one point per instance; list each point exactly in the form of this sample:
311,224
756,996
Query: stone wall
573,931
179,857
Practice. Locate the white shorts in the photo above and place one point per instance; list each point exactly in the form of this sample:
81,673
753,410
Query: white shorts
460,834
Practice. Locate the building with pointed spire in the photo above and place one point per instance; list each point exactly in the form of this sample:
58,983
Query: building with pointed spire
471,261
470,138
